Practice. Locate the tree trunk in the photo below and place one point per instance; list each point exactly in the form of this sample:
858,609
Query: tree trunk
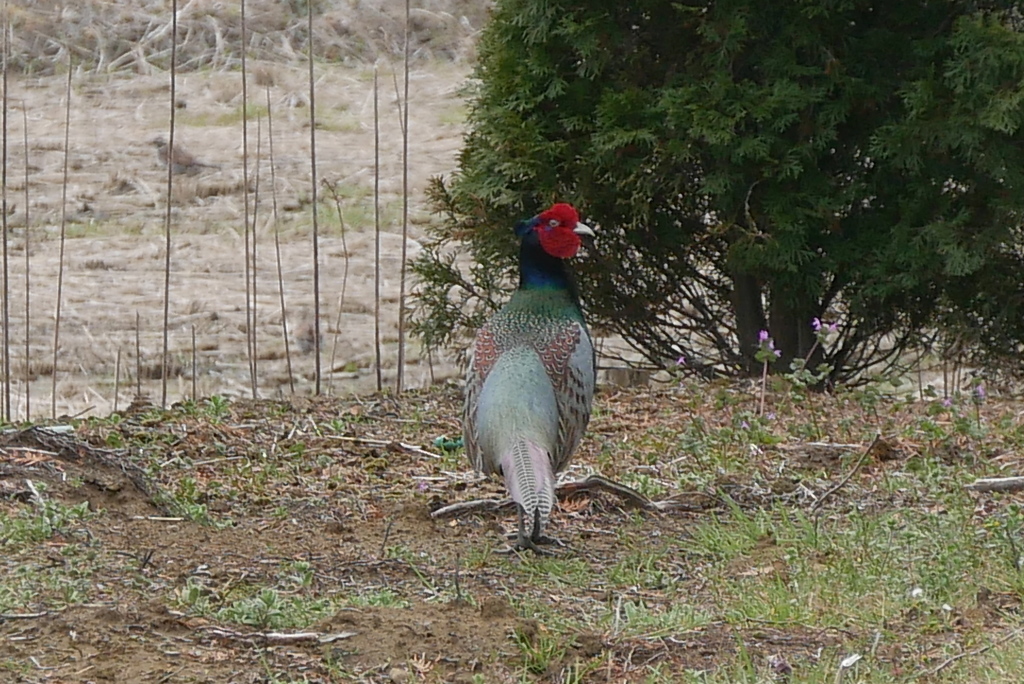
749,311
792,330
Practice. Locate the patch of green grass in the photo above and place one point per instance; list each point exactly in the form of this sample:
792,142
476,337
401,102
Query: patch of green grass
861,568
41,521
640,619
336,121
29,582
231,117
15,668
539,648
356,212
186,497
554,571
385,597
264,608
641,569
269,609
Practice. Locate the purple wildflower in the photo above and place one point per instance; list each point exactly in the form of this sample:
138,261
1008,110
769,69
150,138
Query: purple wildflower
745,425
763,336
422,486
980,393
681,361
816,324
947,402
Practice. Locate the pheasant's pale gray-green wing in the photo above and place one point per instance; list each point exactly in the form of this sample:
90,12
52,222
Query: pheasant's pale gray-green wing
484,353
569,360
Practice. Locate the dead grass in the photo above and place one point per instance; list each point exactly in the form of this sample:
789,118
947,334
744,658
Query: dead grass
135,35
116,208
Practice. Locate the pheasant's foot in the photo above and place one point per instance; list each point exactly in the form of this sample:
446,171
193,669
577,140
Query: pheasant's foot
545,540
518,543
526,543
521,540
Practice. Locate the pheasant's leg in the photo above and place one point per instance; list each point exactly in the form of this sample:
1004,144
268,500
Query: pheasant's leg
545,540
537,538
525,540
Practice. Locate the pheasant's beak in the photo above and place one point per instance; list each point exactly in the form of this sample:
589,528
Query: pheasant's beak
587,235
583,229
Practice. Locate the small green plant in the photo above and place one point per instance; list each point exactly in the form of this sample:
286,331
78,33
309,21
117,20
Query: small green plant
217,408
194,596
540,649
380,598
803,378
268,609
42,521
186,499
766,355
299,573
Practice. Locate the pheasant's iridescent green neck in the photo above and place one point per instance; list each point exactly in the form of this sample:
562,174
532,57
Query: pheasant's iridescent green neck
538,270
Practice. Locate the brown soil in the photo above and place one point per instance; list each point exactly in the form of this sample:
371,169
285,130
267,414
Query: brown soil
325,506
355,505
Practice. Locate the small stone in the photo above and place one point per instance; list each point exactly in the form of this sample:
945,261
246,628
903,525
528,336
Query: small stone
494,607
399,675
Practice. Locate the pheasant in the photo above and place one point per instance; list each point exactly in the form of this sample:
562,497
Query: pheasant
531,376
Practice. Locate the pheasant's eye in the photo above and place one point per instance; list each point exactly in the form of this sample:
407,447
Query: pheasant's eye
553,222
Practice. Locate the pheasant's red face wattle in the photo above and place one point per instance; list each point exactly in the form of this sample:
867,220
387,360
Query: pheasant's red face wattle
555,231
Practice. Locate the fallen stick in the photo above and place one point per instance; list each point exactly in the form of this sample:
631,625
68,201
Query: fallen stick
478,505
37,498
997,484
23,616
842,483
598,482
567,489
385,443
966,654
279,637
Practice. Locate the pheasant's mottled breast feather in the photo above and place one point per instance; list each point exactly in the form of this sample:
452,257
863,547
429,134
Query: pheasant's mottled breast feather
564,348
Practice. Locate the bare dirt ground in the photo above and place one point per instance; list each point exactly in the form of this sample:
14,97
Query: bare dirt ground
294,542
115,252
337,514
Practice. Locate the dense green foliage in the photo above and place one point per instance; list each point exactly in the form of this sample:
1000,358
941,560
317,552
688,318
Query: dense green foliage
751,166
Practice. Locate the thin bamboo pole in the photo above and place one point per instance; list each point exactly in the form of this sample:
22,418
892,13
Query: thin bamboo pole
63,236
313,196
164,366
277,244
400,377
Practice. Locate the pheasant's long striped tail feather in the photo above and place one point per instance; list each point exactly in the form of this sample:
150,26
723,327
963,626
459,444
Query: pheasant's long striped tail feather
530,479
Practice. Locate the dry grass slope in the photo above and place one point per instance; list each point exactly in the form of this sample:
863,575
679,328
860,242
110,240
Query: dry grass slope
116,193
136,34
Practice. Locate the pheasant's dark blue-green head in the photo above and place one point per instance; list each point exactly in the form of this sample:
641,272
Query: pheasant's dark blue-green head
557,231
548,239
